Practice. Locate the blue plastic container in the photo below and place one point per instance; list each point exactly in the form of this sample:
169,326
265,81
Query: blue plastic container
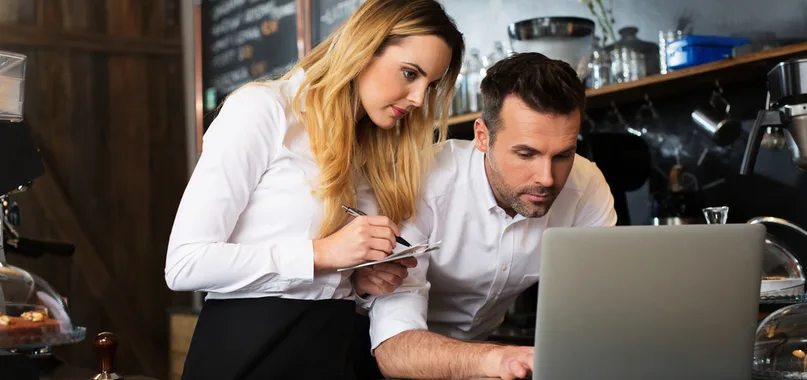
697,50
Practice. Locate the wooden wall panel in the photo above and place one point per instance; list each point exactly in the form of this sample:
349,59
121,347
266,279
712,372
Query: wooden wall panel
18,12
182,327
78,15
144,18
104,102
166,96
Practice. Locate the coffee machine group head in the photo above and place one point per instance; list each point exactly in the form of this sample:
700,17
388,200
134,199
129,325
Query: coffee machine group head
785,111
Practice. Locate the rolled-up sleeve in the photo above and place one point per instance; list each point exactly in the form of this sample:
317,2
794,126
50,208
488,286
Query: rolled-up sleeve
403,310
407,307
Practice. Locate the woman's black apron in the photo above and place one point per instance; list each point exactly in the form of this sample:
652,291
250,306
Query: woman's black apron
273,338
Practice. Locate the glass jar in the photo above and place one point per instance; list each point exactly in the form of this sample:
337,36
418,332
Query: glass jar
599,67
632,58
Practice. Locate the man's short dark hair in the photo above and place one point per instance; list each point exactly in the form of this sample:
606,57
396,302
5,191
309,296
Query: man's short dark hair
545,85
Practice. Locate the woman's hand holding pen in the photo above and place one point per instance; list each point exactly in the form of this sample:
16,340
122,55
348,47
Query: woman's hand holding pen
365,238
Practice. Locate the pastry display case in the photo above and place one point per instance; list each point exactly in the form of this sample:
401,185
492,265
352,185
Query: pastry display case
32,314
782,277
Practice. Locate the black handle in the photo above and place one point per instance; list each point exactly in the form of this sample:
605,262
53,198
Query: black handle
720,103
36,248
765,118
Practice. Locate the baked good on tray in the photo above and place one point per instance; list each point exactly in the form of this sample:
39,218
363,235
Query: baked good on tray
30,327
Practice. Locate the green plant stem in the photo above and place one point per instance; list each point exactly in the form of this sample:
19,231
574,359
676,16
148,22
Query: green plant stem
600,20
608,24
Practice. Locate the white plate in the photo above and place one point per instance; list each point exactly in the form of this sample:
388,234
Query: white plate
779,285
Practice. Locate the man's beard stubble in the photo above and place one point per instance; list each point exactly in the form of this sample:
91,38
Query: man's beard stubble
511,198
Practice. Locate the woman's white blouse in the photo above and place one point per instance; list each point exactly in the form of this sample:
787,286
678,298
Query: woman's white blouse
247,219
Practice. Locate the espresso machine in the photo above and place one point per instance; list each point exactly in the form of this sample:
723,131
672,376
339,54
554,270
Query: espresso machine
784,117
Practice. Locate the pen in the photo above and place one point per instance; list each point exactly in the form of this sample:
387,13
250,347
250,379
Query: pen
356,212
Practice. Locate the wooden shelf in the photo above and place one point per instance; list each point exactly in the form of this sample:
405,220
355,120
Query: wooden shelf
745,67
459,119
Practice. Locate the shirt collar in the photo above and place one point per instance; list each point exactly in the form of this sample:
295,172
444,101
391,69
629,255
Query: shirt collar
296,80
482,189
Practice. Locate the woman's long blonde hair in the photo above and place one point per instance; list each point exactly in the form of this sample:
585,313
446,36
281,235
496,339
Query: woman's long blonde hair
393,161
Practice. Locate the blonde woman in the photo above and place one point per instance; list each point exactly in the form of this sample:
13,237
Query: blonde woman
260,227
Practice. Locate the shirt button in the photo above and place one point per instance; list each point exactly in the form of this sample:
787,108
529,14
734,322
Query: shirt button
504,268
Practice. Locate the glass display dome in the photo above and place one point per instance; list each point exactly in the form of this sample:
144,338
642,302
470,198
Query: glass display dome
32,314
780,349
783,279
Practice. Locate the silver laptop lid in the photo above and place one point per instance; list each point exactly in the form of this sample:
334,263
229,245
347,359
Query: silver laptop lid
648,302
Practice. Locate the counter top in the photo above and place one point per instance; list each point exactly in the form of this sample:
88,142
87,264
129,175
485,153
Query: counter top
183,310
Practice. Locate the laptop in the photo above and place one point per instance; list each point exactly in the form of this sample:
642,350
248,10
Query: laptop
648,302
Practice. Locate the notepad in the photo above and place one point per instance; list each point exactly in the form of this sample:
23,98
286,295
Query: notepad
413,251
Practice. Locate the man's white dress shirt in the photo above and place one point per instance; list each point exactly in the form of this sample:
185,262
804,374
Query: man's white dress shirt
487,258
248,217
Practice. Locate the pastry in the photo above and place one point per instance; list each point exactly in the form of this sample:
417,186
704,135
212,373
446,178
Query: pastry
29,328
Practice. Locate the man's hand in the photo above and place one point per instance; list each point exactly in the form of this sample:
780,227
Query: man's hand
509,362
382,278
422,354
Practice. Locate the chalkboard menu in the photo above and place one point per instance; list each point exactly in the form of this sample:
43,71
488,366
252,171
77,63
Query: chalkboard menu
328,15
245,40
